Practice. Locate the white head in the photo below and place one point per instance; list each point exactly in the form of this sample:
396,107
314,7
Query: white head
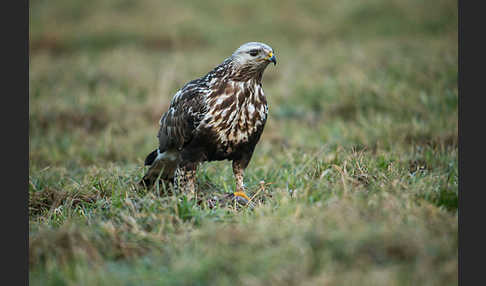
254,54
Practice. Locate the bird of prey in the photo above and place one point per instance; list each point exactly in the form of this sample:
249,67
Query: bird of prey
219,116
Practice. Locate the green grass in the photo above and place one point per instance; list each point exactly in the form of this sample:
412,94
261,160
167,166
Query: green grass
355,178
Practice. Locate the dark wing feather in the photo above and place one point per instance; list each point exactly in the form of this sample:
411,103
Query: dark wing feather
150,158
186,111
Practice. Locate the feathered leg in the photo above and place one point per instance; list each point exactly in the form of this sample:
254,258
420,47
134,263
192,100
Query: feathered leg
185,179
238,170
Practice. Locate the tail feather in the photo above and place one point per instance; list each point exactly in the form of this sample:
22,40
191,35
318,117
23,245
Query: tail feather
151,157
162,166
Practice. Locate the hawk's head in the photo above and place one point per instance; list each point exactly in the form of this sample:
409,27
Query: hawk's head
254,54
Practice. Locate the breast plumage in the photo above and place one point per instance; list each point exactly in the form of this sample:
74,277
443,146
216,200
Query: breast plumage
237,116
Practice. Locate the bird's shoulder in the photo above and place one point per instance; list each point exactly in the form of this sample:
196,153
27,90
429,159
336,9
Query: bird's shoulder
187,108
192,96
192,91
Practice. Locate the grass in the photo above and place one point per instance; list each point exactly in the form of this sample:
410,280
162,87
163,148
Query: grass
355,179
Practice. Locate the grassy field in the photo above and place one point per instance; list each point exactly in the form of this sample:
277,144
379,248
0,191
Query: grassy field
355,178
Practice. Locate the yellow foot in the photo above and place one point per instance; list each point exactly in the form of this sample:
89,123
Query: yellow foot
241,194
240,198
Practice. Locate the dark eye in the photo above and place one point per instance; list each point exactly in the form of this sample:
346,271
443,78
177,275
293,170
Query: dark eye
253,53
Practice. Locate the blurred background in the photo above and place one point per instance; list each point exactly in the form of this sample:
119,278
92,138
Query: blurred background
354,72
359,151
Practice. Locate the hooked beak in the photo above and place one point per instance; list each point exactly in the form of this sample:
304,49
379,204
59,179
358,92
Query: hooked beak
271,57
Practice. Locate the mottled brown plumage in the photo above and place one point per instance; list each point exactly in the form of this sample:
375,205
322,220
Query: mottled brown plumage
220,116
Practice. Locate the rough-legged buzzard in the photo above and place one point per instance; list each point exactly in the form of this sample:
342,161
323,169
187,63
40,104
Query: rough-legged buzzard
220,116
